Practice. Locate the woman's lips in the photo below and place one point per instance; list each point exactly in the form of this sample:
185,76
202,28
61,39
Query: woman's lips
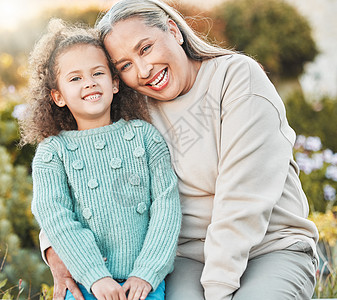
159,81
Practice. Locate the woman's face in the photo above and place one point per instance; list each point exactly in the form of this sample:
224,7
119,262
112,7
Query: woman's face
150,60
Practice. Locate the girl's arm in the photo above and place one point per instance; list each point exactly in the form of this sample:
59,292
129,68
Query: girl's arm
156,258
53,208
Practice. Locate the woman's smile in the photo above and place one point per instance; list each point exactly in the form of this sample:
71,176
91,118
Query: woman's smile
159,81
151,60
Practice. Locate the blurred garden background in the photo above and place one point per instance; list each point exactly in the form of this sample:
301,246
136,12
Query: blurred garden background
295,41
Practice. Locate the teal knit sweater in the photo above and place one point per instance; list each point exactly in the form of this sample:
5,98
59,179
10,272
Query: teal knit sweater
109,192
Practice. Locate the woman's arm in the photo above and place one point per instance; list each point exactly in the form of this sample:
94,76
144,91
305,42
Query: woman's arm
253,164
61,276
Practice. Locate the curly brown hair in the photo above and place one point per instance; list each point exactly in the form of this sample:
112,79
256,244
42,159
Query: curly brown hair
43,118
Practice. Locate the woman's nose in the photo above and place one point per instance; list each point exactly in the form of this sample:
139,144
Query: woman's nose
144,70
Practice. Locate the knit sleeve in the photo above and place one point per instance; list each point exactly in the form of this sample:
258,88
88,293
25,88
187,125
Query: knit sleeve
156,258
52,206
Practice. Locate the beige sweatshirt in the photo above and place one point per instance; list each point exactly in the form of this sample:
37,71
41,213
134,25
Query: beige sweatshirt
231,147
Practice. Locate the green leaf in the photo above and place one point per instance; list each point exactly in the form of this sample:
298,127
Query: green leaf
3,283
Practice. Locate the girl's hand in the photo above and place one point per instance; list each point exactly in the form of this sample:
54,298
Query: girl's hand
108,289
138,288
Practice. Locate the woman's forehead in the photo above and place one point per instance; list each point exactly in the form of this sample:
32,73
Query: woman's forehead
130,33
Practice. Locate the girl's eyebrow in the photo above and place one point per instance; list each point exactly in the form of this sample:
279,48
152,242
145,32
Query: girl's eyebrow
79,71
135,48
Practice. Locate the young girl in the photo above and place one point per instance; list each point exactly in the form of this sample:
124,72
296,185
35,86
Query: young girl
104,190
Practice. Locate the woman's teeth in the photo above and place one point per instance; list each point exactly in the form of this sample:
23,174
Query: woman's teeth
161,79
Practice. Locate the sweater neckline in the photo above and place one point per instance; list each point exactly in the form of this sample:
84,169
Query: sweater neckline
87,132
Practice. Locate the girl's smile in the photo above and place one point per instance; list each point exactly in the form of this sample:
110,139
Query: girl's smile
94,97
85,85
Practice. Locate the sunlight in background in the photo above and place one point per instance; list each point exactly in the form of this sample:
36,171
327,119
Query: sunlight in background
12,12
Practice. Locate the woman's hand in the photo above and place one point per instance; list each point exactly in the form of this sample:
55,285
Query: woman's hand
138,288
62,277
108,289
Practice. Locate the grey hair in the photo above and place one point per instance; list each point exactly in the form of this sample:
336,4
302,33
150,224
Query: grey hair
156,13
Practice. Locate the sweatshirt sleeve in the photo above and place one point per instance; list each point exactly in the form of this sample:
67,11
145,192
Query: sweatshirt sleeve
156,258
52,206
254,158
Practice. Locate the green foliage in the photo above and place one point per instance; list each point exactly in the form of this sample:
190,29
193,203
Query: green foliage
272,31
318,173
326,276
314,119
10,135
18,228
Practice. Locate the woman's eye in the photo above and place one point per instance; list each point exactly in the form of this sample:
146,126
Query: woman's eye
125,66
146,48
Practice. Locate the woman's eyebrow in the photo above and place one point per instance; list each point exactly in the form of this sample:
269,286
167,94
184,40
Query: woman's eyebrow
135,48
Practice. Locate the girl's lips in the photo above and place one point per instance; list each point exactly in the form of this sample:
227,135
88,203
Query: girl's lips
159,81
92,97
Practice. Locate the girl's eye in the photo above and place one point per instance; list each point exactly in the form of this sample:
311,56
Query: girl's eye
98,73
125,66
77,78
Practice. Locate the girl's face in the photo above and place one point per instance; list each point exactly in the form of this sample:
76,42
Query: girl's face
85,85
150,60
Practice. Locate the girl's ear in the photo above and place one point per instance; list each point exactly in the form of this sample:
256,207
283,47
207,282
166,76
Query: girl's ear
57,98
175,31
115,84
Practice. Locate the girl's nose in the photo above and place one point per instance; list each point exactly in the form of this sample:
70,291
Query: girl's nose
90,84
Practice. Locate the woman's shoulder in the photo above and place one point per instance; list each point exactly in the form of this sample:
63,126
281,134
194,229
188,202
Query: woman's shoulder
235,61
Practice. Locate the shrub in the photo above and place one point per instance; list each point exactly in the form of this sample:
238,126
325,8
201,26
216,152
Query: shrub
271,31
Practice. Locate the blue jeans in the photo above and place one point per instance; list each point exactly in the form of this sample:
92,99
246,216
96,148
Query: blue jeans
158,294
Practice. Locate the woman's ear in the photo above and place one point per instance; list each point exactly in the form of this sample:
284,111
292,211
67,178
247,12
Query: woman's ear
175,31
57,98
115,85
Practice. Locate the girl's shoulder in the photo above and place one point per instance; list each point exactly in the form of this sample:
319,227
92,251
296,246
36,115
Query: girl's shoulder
146,127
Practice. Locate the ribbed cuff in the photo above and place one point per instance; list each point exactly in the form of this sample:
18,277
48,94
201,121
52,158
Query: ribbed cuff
148,275
92,276
214,291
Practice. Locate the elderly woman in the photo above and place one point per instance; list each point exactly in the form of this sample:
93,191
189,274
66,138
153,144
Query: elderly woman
245,232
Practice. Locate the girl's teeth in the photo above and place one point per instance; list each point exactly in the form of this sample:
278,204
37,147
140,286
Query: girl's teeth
92,97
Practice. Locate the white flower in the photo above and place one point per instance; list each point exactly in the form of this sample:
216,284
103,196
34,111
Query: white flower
329,193
317,161
19,111
334,159
327,154
304,162
300,141
331,173
313,143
